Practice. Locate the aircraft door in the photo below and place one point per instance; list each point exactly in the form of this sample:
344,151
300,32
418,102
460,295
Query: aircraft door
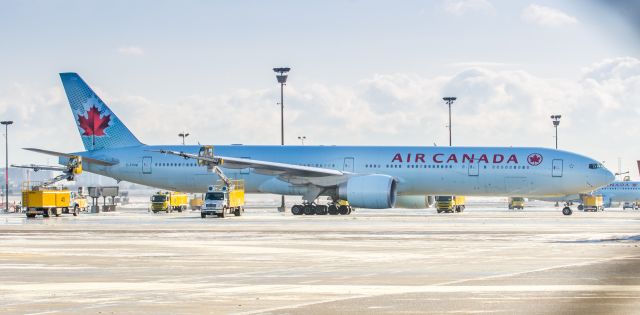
556,168
146,165
474,169
348,164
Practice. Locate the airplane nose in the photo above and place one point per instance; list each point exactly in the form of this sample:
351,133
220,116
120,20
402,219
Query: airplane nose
607,177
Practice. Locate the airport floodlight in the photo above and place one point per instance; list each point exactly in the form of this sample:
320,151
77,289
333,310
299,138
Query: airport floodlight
556,122
6,124
449,100
183,135
281,76
302,138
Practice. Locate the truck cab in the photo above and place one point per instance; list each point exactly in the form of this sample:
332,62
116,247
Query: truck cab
516,203
450,204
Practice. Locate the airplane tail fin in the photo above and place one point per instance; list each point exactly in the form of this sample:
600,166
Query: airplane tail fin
99,127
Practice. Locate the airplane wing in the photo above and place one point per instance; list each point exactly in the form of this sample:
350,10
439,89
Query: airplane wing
36,168
67,155
285,170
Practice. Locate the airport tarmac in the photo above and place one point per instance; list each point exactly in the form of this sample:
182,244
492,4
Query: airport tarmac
485,260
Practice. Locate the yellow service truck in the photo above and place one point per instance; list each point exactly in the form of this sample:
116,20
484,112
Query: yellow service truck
516,203
592,203
450,204
47,201
169,201
196,202
221,200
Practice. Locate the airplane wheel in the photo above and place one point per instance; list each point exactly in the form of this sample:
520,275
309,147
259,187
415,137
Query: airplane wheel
567,211
321,210
344,210
333,210
296,210
580,207
309,209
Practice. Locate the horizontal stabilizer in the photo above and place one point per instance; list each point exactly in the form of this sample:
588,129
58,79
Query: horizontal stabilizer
68,155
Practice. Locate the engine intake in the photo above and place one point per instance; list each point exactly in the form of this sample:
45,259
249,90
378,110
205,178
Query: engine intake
369,191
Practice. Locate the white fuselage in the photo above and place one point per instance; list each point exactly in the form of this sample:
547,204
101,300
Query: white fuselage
472,171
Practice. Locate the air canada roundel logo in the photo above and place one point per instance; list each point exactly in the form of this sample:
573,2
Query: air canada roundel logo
534,159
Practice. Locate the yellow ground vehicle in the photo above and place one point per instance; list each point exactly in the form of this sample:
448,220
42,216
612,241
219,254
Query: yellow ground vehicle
450,204
516,203
592,203
169,201
196,202
47,201
78,202
223,199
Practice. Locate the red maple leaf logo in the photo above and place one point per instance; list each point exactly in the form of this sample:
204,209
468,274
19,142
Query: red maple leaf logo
534,159
92,123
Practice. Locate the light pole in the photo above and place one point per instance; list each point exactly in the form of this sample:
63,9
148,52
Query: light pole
183,135
281,75
302,138
6,124
449,101
556,122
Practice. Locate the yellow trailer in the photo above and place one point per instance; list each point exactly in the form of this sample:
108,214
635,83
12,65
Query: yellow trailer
450,204
46,201
592,203
169,201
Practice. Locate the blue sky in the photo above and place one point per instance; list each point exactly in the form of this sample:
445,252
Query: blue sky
364,72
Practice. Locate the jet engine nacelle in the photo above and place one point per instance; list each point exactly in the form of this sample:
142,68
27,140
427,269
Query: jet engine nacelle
369,191
415,201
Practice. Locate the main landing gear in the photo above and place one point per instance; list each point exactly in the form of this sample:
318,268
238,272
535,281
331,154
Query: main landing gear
312,208
567,210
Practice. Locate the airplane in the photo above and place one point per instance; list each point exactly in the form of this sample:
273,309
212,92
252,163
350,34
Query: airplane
376,177
619,191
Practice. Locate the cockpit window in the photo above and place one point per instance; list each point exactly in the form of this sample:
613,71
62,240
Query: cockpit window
594,166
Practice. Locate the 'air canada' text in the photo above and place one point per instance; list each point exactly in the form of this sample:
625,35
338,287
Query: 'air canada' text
455,158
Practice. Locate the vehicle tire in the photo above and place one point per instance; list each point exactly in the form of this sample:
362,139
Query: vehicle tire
237,212
296,210
224,212
580,207
202,215
31,216
344,210
309,209
333,210
510,208
75,211
566,211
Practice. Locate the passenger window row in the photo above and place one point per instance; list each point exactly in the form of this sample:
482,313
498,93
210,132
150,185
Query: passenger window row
175,164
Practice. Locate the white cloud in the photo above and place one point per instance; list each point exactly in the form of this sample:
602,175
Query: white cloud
130,51
460,7
494,107
547,16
